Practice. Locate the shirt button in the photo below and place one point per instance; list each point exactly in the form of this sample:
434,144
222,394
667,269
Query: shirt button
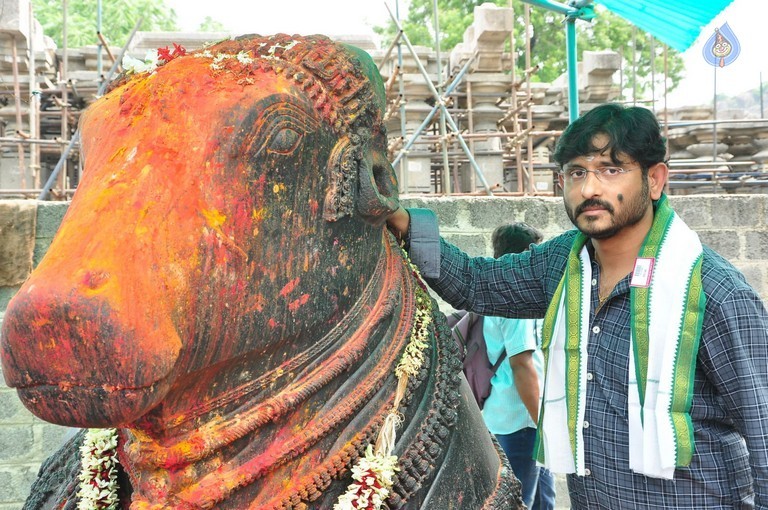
596,330
594,281
586,424
590,376
587,472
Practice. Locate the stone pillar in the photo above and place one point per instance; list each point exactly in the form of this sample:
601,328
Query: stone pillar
487,35
487,88
597,69
416,176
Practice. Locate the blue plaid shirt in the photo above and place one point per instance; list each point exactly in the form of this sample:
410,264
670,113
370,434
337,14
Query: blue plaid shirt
730,400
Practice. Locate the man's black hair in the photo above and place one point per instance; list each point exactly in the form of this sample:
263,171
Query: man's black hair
514,238
632,130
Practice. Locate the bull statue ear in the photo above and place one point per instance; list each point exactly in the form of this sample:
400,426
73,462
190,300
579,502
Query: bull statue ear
361,180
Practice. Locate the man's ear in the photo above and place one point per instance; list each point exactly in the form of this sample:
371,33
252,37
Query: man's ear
361,180
377,194
342,179
657,179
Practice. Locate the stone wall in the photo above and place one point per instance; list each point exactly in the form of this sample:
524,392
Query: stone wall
25,441
734,225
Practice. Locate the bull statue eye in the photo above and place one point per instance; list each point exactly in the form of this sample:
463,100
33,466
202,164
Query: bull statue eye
284,141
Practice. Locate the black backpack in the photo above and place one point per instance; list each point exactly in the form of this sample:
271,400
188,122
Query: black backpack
467,330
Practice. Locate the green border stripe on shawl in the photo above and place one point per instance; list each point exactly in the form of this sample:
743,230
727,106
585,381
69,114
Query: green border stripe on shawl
640,297
574,319
685,367
548,332
571,287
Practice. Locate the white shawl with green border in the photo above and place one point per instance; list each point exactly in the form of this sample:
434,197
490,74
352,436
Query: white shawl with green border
667,308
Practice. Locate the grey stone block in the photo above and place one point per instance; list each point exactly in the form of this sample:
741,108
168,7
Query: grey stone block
755,276
6,293
15,19
11,408
726,243
16,443
476,245
694,211
41,247
49,216
731,211
603,63
756,244
489,213
17,232
562,499
15,482
50,437
539,214
447,211
561,221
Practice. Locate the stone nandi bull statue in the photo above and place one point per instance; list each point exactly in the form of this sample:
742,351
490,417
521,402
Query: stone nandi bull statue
223,292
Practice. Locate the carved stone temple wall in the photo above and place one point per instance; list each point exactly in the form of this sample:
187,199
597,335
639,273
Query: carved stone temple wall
510,123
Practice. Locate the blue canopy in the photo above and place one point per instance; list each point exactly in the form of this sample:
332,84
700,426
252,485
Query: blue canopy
676,23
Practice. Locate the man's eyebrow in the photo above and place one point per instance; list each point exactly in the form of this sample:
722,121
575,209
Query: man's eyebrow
603,160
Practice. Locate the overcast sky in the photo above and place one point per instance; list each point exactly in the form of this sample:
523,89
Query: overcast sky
331,17
747,19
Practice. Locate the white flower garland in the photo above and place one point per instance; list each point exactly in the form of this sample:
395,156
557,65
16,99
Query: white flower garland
98,476
373,475
133,65
375,472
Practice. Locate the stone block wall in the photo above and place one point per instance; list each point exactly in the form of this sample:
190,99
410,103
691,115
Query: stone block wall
25,441
734,225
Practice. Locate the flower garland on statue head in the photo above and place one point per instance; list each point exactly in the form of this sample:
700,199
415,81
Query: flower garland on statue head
153,59
374,473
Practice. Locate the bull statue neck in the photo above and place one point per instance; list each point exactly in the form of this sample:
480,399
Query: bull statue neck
232,442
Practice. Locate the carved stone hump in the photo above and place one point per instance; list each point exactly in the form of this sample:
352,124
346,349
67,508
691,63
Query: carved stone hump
222,290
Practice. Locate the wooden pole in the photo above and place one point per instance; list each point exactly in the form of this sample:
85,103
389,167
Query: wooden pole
17,97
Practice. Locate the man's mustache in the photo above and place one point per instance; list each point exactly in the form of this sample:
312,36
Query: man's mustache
593,202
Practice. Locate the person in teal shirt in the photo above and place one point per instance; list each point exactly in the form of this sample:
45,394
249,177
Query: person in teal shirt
511,411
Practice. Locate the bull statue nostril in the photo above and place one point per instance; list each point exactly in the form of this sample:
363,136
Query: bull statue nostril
95,279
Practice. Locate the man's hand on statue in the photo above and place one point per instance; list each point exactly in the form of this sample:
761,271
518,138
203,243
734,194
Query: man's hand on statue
399,222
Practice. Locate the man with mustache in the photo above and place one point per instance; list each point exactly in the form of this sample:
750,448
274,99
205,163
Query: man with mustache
656,348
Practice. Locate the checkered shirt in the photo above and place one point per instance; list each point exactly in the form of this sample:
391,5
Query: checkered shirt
730,397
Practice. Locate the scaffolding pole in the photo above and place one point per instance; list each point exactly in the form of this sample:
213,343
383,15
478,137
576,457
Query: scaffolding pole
441,103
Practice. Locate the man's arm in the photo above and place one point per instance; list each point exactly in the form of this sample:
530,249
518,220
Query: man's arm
482,285
734,353
526,381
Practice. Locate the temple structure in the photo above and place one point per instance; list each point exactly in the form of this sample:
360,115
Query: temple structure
505,124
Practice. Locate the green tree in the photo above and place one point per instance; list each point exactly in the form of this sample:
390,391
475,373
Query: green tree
606,31
211,25
117,19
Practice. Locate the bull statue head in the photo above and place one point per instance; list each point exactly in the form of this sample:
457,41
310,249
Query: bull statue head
222,288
